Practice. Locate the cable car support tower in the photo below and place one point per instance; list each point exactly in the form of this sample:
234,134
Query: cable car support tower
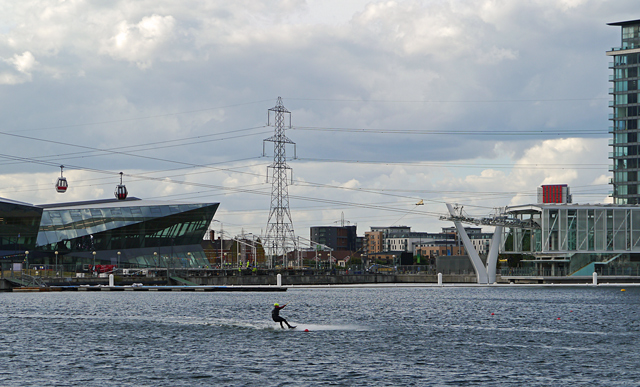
280,237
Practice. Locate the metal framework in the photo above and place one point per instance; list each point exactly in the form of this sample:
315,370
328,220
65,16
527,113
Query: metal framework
280,237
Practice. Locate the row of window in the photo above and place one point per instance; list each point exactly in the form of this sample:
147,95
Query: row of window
633,200
626,85
622,177
621,112
628,189
628,72
629,150
627,59
630,32
626,124
623,99
589,229
625,137
625,164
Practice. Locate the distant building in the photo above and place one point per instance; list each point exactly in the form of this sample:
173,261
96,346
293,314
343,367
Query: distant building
424,244
373,242
481,241
626,113
339,238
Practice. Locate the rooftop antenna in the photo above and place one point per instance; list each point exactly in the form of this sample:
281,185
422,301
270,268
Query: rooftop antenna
280,236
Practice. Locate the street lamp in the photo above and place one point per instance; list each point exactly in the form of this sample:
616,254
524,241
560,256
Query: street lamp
56,253
26,254
94,262
118,260
155,259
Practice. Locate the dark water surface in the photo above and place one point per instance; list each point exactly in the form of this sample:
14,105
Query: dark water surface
564,336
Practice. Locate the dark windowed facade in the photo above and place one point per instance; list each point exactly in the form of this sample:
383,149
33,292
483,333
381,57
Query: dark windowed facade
338,238
18,226
625,116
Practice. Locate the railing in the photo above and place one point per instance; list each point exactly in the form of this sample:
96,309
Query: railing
531,272
617,271
600,269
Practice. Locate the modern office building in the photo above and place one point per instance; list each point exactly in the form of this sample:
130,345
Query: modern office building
128,233
626,146
577,239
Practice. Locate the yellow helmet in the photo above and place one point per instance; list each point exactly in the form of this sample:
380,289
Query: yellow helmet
276,304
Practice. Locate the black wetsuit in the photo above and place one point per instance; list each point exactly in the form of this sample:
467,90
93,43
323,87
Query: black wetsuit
275,315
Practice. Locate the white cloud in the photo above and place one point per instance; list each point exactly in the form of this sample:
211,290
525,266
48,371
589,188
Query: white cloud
142,42
23,65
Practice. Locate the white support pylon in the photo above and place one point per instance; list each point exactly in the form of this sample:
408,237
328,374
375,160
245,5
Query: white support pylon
481,271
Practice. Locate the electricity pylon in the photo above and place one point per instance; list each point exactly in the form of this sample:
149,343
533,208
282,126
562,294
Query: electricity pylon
280,237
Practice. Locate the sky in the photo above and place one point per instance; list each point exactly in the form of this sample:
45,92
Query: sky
471,102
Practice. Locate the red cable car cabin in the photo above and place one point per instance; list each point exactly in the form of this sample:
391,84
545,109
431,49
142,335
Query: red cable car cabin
61,184
121,190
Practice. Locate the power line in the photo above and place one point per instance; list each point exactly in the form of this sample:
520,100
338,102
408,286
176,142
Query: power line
140,118
452,132
448,101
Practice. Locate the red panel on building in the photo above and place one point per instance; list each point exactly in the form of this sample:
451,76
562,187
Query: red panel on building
553,193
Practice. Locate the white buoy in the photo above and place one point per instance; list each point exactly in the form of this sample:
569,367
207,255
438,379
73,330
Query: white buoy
279,279
111,281
595,278
439,278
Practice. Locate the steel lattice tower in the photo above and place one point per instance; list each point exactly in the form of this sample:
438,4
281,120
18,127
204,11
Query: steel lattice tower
280,237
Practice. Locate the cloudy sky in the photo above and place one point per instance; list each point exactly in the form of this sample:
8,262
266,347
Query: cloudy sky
476,102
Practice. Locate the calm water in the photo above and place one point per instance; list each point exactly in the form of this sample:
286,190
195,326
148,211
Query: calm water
358,337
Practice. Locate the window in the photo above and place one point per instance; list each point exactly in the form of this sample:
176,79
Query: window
621,112
621,86
621,99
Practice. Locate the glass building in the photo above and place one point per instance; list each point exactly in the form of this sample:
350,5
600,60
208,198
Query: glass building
570,239
129,233
18,226
626,147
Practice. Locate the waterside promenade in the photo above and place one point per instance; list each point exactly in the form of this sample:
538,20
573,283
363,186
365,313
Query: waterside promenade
267,280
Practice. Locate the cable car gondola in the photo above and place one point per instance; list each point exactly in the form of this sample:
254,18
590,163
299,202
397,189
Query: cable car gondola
61,184
121,190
